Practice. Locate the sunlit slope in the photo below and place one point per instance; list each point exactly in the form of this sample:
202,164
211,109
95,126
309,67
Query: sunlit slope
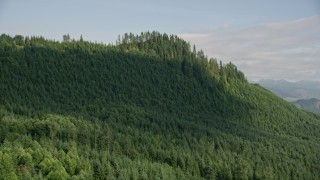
146,107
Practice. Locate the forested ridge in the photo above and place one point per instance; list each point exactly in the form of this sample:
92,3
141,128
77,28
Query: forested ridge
149,107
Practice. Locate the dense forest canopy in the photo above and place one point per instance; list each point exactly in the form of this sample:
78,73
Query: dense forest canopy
149,107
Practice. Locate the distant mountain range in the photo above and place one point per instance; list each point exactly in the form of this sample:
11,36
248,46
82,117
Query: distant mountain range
312,105
303,94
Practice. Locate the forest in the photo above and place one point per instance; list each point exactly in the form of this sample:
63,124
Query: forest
150,106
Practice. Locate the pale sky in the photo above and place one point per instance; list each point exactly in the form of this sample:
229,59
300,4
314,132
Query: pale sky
266,39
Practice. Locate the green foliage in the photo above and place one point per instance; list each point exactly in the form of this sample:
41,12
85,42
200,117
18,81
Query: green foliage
146,108
7,170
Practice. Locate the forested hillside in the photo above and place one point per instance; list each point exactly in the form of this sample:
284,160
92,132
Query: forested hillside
149,107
